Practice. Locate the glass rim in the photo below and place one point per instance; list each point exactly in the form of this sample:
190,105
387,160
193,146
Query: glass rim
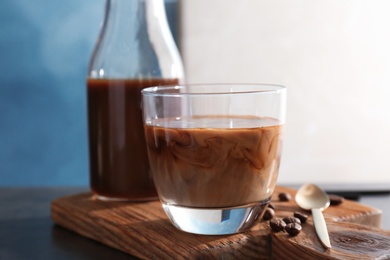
164,90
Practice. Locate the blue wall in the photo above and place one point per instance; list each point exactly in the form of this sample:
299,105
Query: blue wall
44,52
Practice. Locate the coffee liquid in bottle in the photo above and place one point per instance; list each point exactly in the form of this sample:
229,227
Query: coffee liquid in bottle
135,50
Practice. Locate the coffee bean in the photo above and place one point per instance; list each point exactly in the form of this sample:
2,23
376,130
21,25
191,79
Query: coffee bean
277,224
335,199
284,196
271,206
302,217
289,220
268,214
293,229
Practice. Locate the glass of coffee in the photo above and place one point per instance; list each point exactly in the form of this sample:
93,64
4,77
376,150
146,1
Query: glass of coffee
214,152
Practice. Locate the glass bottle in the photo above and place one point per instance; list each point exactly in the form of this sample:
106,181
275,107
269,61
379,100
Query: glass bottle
135,49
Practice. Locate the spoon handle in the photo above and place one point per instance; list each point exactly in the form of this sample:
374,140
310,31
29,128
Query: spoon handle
320,226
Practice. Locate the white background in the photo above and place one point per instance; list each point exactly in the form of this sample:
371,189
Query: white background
334,58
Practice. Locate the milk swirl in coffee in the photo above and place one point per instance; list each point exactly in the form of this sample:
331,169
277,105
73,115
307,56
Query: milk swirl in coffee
214,161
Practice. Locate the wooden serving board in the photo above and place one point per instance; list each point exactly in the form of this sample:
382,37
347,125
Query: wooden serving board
143,230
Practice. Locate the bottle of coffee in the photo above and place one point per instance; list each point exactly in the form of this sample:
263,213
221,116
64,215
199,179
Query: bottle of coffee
135,49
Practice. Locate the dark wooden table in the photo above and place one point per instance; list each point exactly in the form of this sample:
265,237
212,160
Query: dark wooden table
27,231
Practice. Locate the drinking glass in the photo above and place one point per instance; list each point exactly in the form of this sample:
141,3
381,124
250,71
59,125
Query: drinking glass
214,152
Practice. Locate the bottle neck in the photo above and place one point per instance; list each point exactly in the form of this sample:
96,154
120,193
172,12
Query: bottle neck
134,16
135,41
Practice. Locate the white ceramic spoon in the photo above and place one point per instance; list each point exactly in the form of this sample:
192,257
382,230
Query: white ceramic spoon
311,197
